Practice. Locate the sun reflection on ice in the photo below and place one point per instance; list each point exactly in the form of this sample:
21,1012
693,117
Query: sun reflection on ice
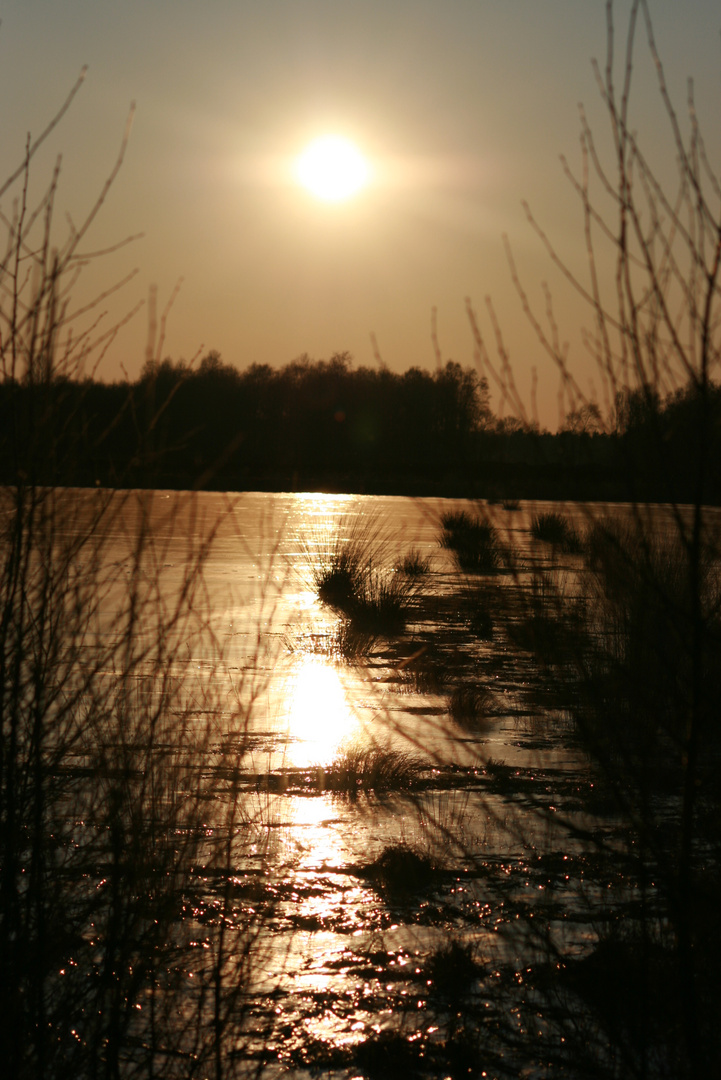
319,716
318,844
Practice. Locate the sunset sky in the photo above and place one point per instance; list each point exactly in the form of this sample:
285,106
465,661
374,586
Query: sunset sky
460,108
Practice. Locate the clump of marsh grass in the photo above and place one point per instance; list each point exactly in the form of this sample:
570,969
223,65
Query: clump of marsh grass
361,769
339,582
351,642
389,1054
382,606
476,610
350,578
415,565
498,769
340,575
452,970
400,870
458,523
473,541
554,528
468,705
453,825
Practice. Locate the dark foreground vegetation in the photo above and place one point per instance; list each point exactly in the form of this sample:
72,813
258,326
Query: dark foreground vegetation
626,667
143,879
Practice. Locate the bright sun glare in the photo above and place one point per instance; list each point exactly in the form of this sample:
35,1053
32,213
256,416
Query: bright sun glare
332,168
320,717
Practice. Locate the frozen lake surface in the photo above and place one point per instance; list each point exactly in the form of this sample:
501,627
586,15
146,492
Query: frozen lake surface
334,903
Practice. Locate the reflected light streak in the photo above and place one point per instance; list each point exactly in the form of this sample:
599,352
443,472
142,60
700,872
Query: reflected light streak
319,717
321,847
318,842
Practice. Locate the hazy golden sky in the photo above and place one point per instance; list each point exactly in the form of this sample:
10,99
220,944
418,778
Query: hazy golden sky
462,108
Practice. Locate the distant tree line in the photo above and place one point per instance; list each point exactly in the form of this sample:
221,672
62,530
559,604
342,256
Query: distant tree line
326,425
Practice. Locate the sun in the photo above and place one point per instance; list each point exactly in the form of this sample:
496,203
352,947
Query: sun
332,168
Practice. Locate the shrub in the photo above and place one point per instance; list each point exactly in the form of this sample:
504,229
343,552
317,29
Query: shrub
103,804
